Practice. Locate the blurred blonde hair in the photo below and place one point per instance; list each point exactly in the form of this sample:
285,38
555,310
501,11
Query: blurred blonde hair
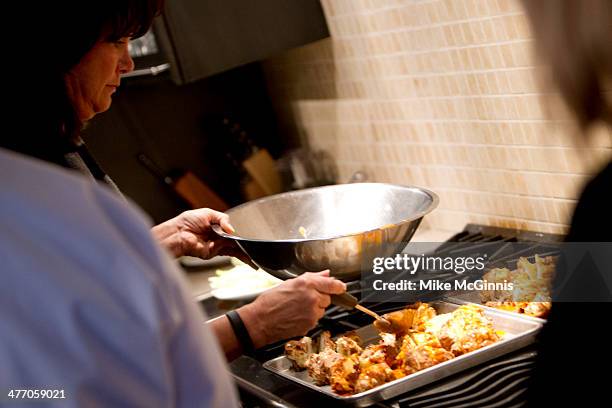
575,38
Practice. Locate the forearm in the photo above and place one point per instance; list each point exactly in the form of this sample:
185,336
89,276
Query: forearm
288,310
222,329
224,332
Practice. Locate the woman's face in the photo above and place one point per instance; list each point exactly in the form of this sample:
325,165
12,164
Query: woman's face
95,78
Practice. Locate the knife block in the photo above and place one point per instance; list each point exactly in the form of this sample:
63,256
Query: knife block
264,176
197,193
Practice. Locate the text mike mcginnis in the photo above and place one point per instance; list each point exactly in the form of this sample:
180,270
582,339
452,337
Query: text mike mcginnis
437,285
433,264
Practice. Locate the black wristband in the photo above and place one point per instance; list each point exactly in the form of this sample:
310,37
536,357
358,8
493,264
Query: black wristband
242,334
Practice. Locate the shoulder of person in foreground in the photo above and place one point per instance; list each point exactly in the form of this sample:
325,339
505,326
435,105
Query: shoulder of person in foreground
591,221
90,303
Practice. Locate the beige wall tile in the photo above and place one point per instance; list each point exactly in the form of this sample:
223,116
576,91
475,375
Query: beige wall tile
443,94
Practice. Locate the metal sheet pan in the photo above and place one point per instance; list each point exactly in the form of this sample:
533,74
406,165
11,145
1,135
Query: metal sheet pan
519,333
475,298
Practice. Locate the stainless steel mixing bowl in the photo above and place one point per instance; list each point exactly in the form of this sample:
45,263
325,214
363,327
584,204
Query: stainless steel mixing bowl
333,227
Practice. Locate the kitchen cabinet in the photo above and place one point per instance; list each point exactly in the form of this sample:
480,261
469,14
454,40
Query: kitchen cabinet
202,38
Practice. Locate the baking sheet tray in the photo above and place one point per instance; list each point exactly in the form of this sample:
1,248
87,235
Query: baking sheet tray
475,298
519,333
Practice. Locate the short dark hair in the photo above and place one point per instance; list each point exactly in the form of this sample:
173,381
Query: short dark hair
573,37
89,21
53,37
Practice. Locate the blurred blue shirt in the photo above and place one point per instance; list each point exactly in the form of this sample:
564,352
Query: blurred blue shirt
89,303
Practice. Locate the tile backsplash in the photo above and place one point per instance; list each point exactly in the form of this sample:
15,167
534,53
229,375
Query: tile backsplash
443,94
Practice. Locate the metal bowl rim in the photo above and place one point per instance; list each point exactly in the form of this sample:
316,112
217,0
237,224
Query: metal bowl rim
432,206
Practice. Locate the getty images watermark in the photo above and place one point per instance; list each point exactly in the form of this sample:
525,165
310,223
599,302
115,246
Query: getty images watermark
414,264
489,272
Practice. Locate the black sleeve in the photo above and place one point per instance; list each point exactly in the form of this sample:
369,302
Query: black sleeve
592,219
572,349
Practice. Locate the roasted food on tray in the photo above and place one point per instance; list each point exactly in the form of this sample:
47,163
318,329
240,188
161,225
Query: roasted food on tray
412,317
418,338
531,291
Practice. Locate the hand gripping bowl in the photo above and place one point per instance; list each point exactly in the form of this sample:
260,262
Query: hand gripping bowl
332,227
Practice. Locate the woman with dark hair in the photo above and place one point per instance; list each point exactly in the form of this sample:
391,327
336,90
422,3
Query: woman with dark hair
81,72
91,305
573,37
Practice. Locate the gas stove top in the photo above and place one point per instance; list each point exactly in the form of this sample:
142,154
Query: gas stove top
498,383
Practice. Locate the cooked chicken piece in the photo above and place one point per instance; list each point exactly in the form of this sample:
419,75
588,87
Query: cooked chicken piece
423,313
543,268
425,356
388,339
434,325
424,339
420,350
343,374
372,354
527,289
391,347
383,352
354,336
538,309
497,275
399,321
319,365
324,342
411,318
416,339
532,284
346,346
401,372
373,376
468,329
298,351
